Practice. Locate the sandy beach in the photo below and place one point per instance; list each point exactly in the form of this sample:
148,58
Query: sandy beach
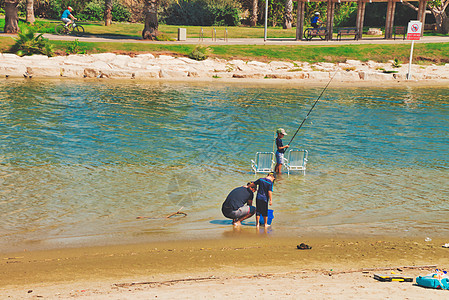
254,267
244,264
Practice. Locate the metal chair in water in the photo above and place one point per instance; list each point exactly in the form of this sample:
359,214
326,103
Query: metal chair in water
296,160
263,163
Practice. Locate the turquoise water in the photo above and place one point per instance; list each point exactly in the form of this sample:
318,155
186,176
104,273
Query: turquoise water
80,161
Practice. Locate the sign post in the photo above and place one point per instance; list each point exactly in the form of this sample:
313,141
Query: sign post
413,34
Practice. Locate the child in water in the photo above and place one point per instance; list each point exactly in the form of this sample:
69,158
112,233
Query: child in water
264,197
280,150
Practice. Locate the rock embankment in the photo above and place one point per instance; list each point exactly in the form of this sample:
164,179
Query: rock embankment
147,66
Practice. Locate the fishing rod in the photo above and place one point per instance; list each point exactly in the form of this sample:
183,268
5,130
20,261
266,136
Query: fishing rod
316,101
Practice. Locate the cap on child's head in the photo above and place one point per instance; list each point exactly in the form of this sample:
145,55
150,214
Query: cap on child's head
281,131
272,174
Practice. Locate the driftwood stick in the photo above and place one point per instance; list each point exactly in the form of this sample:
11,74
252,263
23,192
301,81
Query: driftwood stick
165,282
264,275
179,212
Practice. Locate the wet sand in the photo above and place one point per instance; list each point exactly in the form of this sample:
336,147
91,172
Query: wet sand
263,266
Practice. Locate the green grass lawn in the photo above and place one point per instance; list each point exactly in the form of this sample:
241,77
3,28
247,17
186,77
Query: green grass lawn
423,53
171,31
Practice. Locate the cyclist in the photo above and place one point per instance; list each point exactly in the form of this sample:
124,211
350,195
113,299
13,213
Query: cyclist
315,20
65,16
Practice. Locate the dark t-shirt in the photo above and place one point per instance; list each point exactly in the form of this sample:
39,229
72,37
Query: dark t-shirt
265,185
237,198
279,144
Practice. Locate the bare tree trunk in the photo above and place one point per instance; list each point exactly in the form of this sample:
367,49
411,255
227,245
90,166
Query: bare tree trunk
150,31
288,14
441,20
107,12
11,17
30,11
253,19
439,12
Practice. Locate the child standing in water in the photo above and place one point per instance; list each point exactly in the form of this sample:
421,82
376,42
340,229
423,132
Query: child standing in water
264,197
280,150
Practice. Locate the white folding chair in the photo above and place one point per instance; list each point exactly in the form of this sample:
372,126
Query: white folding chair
296,160
263,163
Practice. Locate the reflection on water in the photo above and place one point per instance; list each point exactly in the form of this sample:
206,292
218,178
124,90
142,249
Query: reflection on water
79,161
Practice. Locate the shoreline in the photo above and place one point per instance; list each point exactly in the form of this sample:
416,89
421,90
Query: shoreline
150,268
147,67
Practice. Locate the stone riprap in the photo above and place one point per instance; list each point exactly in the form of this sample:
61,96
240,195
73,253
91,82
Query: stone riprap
147,66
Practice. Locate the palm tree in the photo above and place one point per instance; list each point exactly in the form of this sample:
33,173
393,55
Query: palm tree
11,17
254,11
30,11
150,31
288,14
107,12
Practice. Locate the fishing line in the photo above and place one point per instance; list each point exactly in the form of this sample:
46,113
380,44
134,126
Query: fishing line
316,101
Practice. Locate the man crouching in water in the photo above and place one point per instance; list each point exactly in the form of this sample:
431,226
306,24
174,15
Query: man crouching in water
234,206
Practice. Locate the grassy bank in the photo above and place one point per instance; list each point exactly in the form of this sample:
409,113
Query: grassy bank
423,53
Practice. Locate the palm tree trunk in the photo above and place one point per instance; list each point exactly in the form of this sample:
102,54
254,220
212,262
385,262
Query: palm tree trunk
288,15
30,11
11,17
150,31
107,12
253,19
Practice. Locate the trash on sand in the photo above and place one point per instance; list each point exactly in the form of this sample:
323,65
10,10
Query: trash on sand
392,277
437,280
445,245
303,246
428,239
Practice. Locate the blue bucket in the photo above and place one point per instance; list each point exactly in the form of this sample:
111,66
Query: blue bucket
270,218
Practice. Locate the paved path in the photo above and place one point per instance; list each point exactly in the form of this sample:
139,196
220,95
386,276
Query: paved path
243,41
252,41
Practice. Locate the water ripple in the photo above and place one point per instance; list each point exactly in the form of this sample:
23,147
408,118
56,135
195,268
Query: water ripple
83,159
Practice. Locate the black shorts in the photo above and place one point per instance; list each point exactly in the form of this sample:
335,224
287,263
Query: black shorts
261,208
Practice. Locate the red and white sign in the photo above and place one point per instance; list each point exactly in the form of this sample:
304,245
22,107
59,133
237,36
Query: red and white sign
414,30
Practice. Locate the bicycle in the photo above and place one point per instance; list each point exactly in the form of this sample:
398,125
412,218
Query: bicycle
309,33
73,28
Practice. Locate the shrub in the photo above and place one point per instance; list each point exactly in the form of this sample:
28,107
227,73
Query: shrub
120,13
29,43
75,48
202,13
200,52
396,63
49,9
94,11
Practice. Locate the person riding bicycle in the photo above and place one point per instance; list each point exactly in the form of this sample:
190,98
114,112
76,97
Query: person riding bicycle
65,16
315,20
